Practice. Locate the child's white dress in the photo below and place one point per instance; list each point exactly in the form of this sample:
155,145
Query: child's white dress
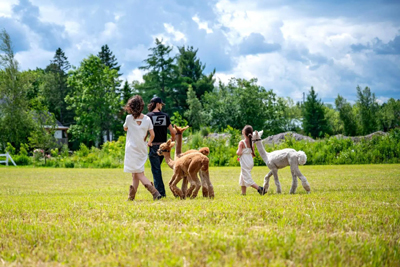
247,164
135,146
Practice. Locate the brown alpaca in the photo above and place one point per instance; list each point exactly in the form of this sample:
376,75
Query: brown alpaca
205,177
188,165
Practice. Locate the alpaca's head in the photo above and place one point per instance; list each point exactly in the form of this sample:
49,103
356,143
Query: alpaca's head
257,135
165,147
180,130
205,151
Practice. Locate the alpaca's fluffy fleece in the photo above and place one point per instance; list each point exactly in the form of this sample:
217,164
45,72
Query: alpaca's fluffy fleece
302,157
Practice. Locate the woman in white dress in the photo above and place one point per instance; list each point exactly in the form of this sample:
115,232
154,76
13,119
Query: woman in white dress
246,153
137,125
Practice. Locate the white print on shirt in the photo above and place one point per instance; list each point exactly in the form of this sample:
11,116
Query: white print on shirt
159,120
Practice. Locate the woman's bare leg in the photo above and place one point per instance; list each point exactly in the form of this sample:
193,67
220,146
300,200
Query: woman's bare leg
243,190
135,181
142,178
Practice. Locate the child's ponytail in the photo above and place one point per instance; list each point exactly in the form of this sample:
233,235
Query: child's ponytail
251,144
248,131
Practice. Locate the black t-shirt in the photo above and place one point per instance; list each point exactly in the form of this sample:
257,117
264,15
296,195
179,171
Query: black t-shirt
161,123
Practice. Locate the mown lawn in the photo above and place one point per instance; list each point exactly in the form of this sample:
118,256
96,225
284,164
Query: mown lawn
79,217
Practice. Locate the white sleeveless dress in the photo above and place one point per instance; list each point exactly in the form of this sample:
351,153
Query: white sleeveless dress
135,146
246,164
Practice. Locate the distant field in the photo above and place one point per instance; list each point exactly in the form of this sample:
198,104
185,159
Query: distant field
79,217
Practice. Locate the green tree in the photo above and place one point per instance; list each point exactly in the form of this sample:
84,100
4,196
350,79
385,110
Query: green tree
335,124
108,58
191,72
368,110
346,116
94,99
54,87
242,102
42,137
161,77
390,114
195,112
126,93
314,121
15,117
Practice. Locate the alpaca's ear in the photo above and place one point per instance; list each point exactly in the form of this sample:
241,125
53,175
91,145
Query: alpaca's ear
169,142
261,132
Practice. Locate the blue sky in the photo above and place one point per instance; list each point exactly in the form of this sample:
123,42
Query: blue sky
288,45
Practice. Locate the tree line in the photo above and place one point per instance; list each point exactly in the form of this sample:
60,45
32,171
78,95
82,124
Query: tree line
90,98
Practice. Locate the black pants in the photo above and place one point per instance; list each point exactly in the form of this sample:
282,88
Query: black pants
155,161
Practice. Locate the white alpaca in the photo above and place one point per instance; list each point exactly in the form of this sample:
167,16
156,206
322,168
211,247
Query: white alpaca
280,159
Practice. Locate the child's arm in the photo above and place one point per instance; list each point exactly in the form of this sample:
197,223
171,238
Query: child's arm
239,152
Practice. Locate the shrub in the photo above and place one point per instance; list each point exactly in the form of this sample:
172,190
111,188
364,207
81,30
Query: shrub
69,164
22,160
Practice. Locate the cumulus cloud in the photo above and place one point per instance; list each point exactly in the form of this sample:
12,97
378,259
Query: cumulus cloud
289,46
255,44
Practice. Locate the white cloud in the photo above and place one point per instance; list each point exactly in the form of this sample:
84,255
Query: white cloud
381,100
6,7
202,25
178,36
135,75
110,31
33,58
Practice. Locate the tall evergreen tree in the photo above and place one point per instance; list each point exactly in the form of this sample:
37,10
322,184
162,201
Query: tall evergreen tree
195,112
55,87
126,93
191,72
368,110
161,78
314,121
109,59
346,115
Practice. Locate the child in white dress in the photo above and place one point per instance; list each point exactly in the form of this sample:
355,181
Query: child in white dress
137,125
246,153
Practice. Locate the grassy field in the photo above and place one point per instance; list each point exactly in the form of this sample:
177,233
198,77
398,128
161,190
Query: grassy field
79,217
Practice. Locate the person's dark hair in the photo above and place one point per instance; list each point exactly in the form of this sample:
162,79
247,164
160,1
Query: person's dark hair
135,106
151,106
248,131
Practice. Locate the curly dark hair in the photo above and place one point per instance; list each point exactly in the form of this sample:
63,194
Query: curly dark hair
248,131
135,106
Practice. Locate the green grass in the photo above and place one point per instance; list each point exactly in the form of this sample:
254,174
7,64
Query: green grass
79,217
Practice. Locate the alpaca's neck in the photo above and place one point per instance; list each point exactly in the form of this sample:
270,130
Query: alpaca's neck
168,160
178,147
263,153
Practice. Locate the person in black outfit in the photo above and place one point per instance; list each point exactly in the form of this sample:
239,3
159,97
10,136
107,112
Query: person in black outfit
161,123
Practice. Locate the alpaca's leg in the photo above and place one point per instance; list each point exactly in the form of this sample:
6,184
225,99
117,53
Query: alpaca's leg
266,182
170,186
176,178
204,184
303,179
191,187
196,181
206,175
277,183
294,180
184,185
